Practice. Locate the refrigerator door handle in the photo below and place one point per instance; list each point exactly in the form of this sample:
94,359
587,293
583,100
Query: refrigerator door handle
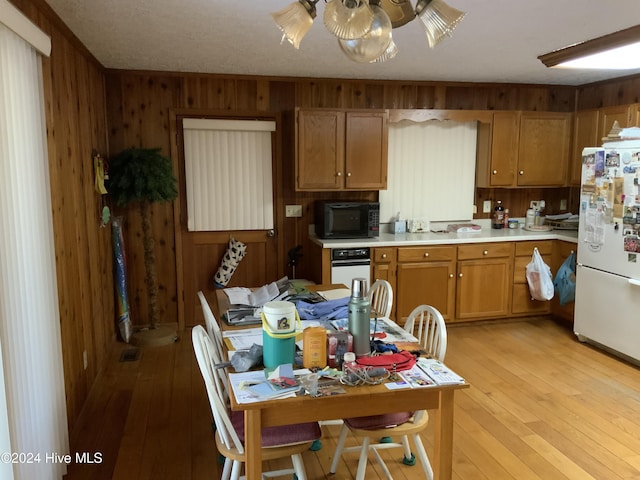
635,282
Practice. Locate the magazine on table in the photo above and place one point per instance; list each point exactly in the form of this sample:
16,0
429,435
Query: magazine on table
439,372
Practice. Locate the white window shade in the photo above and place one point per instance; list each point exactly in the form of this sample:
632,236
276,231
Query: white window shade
228,173
431,173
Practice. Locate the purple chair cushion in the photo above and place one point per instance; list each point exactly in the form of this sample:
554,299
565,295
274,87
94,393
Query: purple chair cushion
282,435
375,422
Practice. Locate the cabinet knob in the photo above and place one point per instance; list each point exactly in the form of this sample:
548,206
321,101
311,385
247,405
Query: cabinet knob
426,254
521,172
451,275
495,172
384,255
460,275
339,174
486,252
349,174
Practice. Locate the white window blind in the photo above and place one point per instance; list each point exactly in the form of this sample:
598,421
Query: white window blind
228,174
33,375
431,171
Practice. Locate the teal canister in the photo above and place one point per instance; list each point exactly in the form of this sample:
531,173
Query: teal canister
359,315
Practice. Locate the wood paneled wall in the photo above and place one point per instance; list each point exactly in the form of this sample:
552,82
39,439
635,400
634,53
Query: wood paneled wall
76,125
139,105
608,94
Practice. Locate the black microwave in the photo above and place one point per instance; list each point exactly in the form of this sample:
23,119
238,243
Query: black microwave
347,219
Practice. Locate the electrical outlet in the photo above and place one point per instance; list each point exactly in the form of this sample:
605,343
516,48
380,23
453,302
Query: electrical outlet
293,210
475,209
563,204
486,206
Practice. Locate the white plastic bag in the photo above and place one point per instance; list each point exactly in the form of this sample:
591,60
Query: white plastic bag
539,278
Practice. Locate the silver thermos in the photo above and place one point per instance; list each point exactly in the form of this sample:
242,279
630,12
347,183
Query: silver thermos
359,317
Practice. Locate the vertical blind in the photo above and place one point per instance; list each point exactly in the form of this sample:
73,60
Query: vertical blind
29,316
228,173
431,173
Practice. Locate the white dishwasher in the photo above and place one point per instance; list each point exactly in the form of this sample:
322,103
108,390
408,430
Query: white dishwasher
350,263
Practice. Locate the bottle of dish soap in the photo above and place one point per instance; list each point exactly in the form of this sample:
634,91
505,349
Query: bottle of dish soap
498,215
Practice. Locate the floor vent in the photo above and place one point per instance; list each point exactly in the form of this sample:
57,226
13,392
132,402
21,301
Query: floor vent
130,355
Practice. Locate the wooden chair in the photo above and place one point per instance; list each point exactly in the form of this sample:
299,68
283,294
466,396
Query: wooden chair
381,298
213,328
278,442
401,424
427,325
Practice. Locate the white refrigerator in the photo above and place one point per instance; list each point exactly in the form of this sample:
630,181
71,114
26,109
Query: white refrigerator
607,305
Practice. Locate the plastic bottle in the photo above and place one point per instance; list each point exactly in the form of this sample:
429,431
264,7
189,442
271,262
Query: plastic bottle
314,353
530,219
505,218
498,215
349,367
359,315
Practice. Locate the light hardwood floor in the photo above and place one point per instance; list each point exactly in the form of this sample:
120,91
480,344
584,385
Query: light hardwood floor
541,406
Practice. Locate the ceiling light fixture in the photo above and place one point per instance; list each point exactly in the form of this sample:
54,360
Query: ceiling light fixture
364,27
616,51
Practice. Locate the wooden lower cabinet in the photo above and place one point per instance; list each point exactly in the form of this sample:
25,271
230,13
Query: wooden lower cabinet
521,302
383,267
468,282
425,275
484,273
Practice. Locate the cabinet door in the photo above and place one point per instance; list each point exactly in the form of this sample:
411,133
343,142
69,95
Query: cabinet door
431,283
634,115
504,149
320,150
477,298
608,115
366,150
543,151
585,134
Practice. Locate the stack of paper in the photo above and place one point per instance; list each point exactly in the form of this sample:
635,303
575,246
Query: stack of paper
439,372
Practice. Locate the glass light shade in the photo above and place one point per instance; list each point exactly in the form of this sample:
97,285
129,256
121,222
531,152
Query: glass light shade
348,19
389,53
400,11
372,45
295,20
439,19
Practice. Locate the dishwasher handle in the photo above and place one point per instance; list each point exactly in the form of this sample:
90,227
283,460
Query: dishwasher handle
350,263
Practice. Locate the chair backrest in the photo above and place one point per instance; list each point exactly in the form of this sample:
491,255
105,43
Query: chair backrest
203,348
213,328
215,335
427,324
381,298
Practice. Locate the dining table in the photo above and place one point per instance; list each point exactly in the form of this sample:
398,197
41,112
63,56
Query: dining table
356,401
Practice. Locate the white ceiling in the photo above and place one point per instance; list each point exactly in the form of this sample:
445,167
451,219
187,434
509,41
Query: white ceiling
497,41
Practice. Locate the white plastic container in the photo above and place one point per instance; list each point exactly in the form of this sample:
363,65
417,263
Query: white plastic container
280,316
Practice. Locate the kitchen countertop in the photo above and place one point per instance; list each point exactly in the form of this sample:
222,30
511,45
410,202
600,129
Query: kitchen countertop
487,234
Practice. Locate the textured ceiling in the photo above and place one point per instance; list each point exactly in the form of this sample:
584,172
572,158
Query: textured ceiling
497,41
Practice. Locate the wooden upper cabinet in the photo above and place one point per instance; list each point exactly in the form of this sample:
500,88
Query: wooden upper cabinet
319,149
527,149
585,134
609,115
544,148
341,149
634,115
504,149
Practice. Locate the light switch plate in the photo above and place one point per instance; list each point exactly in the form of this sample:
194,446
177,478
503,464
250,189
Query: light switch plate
293,210
563,204
486,206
